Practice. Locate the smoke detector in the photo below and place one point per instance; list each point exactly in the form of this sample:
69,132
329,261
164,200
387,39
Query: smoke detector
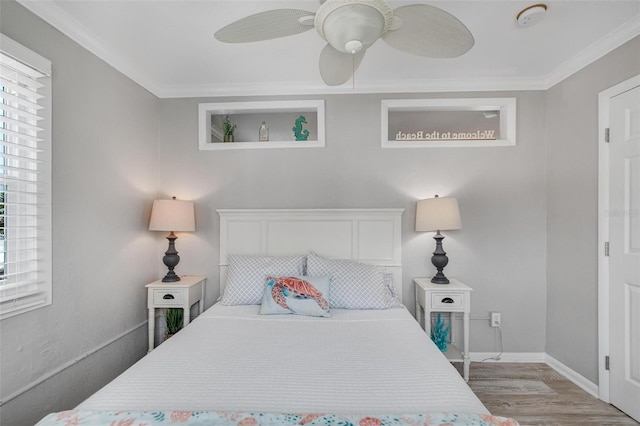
531,15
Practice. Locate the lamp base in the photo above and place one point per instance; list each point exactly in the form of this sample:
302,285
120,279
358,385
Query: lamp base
171,277
171,260
439,260
439,278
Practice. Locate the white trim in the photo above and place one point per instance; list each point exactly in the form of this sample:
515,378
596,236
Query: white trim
525,357
69,364
604,99
62,21
25,55
578,379
440,85
595,51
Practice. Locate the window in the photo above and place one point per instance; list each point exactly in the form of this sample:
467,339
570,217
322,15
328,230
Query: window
25,179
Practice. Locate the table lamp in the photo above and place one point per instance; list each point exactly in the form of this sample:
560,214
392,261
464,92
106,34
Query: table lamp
438,214
172,216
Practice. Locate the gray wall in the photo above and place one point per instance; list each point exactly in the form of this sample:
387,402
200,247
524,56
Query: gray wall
572,202
104,178
500,251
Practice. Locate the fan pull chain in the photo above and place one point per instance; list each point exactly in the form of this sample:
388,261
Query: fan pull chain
353,71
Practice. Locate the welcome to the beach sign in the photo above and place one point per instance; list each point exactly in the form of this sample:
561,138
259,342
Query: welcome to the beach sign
477,135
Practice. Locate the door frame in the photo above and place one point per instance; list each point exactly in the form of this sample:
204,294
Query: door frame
604,102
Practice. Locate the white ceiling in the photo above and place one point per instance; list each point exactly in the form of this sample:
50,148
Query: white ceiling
167,46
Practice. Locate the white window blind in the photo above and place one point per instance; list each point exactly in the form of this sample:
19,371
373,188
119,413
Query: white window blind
25,179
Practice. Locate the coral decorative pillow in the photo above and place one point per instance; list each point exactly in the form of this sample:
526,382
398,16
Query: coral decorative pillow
296,295
246,275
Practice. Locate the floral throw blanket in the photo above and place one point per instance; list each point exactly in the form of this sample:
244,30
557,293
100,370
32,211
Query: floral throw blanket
211,418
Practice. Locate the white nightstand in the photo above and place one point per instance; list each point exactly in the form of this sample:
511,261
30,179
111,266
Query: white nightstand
180,294
453,297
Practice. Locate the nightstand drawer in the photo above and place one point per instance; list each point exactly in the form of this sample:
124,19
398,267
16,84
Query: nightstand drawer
168,297
446,300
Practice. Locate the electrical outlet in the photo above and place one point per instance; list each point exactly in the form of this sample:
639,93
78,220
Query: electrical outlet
495,319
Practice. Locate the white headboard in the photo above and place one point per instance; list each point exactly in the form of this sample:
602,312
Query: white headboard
364,235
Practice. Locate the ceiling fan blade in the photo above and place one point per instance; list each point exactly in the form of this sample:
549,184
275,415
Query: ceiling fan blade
338,67
429,31
266,26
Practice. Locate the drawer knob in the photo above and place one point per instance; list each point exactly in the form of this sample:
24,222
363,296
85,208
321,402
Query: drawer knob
447,300
168,297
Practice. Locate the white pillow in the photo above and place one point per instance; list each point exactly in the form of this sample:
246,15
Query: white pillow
246,276
354,285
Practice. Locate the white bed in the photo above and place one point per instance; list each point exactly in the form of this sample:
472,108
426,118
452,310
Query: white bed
231,358
356,363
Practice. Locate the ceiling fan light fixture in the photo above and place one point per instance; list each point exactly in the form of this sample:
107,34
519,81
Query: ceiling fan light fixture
342,23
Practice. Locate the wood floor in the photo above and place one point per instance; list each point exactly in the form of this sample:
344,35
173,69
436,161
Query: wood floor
535,394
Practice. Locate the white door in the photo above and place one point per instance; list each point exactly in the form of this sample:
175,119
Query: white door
624,252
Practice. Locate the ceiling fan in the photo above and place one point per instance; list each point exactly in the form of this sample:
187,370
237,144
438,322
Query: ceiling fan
351,26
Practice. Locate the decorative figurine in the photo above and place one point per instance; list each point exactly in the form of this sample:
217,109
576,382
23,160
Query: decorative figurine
300,133
227,129
440,333
263,133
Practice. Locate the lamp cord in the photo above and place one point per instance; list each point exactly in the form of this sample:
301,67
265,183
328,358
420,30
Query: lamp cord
497,357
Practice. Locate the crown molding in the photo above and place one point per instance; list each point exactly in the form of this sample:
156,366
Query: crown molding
595,51
58,18
63,22
361,87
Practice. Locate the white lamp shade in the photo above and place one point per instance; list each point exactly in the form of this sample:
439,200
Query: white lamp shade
438,214
172,216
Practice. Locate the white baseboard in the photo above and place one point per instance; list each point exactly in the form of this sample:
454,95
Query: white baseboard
508,357
578,379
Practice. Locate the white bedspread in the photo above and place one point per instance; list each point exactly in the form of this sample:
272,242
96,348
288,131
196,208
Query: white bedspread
230,358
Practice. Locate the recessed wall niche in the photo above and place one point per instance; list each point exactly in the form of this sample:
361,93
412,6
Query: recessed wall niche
477,122
282,118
